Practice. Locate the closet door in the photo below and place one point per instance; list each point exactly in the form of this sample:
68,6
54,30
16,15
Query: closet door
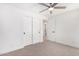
28,30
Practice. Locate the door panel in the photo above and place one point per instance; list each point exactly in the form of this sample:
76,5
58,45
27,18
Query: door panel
28,30
36,30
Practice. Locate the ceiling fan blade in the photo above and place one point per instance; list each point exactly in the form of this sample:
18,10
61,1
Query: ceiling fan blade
54,4
60,7
44,4
44,10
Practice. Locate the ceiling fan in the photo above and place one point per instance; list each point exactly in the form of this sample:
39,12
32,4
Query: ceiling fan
51,6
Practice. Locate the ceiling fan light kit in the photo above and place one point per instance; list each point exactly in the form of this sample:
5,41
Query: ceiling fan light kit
51,6
51,9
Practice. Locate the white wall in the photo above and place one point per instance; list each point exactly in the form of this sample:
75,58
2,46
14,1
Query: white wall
67,28
11,27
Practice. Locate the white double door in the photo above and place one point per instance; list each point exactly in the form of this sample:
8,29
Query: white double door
31,31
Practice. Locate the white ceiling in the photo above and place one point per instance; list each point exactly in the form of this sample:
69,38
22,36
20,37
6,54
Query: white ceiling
37,7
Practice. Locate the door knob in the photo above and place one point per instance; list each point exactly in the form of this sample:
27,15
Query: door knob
39,32
24,33
53,31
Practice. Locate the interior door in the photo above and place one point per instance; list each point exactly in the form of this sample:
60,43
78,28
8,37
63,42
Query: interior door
28,30
37,30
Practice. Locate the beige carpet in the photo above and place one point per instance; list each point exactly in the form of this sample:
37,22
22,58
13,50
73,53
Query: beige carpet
46,48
